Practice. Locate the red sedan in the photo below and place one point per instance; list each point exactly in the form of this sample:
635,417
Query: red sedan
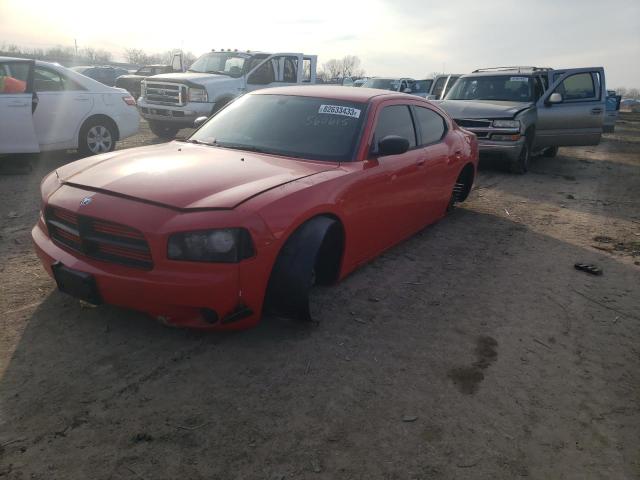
282,189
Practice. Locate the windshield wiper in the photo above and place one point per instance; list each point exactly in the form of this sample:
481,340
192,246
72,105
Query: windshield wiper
248,148
200,142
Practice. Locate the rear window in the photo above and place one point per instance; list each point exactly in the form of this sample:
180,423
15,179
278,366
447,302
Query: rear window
383,83
304,127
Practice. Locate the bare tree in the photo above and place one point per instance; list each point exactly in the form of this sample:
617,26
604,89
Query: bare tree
621,91
351,67
634,93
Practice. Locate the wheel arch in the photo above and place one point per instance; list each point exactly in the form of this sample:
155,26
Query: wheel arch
316,242
103,117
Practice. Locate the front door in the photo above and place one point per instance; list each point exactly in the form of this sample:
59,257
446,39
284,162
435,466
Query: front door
578,118
62,106
387,200
17,134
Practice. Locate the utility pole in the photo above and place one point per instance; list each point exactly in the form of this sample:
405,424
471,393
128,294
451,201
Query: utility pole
76,43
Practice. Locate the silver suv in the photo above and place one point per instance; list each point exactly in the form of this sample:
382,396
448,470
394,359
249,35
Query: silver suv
521,111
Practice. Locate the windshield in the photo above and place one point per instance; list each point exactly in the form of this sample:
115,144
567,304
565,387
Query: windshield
382,83
513,88
304,127
420,86
226,63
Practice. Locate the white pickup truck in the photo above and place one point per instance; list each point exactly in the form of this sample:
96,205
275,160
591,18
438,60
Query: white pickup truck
173,101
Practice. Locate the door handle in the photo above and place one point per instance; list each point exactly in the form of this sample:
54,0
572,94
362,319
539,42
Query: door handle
82,99
596,111
421,161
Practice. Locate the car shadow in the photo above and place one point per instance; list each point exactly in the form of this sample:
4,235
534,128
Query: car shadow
103,392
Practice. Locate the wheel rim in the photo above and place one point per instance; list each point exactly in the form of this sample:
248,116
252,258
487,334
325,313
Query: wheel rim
99,139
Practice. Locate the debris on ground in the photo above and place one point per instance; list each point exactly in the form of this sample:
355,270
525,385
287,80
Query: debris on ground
585,267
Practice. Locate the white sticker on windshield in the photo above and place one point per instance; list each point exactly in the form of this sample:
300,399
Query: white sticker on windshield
518,79
339,110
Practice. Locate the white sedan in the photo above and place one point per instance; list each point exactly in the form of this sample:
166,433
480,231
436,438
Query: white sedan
44,106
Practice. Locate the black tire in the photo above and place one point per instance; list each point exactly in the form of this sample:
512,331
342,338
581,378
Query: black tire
163,130
297,269
550,152
520,165
97,136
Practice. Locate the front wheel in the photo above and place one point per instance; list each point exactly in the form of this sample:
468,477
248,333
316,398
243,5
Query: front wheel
520,165
551,152
163,130
97,136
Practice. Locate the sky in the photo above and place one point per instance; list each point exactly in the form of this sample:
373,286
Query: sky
411,38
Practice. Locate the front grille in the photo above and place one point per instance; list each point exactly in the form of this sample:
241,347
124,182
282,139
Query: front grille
469,123
165,93
99,239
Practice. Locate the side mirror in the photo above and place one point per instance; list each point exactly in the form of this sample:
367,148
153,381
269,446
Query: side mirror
392,145
431,97
555,97
407,90
199,121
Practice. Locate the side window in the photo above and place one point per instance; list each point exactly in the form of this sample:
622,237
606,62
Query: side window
451,83
45,80
263,75
289,67
432,125
306,70
13,77
538,88
395,120
579,86
439,86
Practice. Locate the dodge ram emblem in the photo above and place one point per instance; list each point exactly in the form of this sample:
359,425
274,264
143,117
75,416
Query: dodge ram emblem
85,201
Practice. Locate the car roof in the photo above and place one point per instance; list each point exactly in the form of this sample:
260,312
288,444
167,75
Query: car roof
334,92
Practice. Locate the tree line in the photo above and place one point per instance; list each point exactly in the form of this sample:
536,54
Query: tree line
91,55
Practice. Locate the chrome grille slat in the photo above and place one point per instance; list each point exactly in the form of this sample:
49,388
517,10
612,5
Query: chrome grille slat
165,93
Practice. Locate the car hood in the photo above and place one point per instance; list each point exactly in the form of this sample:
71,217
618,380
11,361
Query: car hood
187,176
132,75
482,108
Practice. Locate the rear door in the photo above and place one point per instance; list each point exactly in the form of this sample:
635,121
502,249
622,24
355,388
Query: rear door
62,105
434,162
578,118
17,134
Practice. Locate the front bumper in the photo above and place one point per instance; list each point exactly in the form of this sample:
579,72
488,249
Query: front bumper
176,115
511,150
179,298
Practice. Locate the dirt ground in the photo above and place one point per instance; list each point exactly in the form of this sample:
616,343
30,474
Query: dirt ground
474,350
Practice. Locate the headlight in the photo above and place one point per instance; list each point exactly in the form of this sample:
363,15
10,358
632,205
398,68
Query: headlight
228,245
198,95
506,123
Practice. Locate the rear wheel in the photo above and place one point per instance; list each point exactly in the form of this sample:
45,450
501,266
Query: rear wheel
97,136
163,130
520,165
551,152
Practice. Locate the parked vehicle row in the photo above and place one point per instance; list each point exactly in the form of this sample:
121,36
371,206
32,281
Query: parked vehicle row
44,106
106,75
